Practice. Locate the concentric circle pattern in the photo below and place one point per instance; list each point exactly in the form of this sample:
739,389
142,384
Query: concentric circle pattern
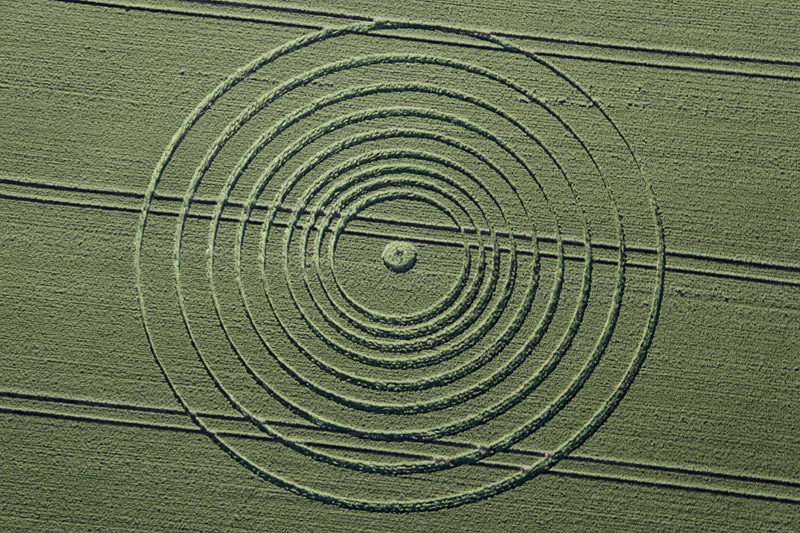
399,261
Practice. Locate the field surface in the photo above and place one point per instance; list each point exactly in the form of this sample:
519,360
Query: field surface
399,266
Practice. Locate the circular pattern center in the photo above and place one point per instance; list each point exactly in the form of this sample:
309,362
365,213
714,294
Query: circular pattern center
399,256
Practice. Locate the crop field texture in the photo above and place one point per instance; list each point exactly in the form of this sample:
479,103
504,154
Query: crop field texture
411,266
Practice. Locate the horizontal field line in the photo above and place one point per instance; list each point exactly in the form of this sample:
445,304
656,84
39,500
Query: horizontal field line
558,472
440,242
512,35
582,57
11,180
601,245
575,457
678,486
24,182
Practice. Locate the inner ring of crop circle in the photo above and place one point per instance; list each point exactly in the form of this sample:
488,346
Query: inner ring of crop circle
401,321
462,309
323,228
469,292
339,228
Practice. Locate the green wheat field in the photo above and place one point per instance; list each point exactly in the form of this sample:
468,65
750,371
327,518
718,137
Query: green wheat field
399,266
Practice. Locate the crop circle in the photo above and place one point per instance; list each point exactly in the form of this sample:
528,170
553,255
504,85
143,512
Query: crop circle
266,302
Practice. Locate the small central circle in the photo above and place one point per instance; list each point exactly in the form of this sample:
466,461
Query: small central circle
399,256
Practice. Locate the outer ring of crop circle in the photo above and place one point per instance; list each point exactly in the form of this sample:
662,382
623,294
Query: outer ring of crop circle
177,279
179,234
421,504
